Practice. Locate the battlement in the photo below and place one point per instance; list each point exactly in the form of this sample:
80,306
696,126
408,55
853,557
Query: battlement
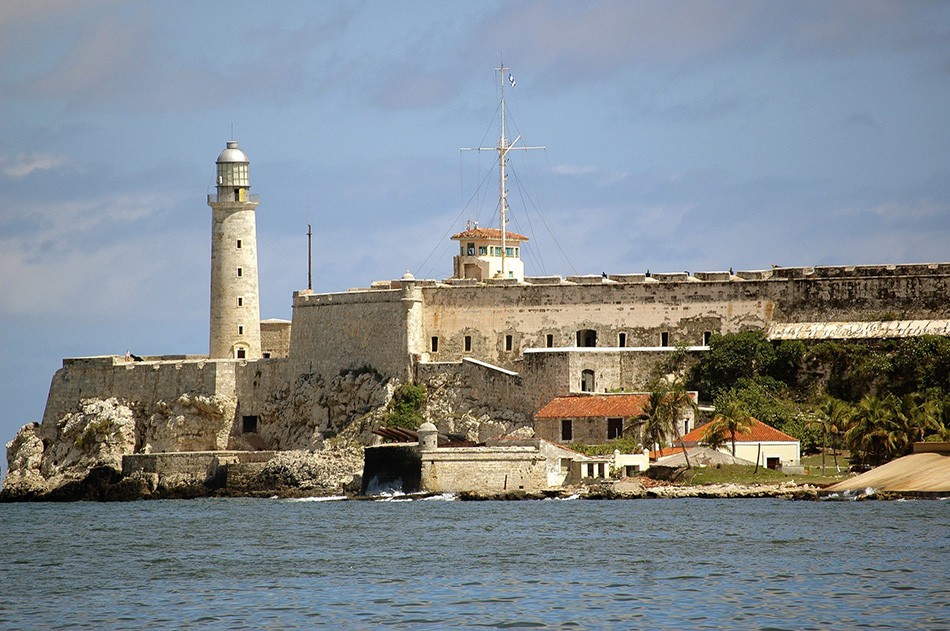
739,276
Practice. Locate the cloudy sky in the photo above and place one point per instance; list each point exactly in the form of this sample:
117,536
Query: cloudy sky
679,136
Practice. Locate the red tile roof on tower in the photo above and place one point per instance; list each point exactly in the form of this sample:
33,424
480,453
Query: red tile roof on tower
584,406
488,233
758,433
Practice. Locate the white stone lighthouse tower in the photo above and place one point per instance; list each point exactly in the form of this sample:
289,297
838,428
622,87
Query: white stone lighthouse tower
235,304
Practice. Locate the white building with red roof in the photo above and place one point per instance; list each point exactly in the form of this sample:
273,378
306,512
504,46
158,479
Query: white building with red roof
486,253
763,444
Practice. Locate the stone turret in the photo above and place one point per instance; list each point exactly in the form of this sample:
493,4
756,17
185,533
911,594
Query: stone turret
235,303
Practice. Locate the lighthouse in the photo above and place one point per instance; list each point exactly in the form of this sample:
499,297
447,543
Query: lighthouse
235,304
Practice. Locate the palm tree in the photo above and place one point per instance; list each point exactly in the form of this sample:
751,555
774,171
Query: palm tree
916,418
875,433
731,418
833,416
661,414
651,421
676,401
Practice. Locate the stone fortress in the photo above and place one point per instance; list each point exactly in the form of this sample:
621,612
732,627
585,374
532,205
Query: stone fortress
491,345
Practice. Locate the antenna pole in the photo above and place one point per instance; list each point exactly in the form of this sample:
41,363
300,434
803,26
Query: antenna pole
503,194
309,257
503,148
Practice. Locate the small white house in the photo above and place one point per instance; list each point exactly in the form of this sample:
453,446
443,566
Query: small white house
762,444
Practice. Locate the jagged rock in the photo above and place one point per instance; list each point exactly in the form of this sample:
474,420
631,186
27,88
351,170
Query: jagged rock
301,415
190,423
47,457
330,470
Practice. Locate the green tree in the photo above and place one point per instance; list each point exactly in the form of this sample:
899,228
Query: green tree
732,357
661,415
676,402
875,435
917,417
832,417
731,418
405,409
651,422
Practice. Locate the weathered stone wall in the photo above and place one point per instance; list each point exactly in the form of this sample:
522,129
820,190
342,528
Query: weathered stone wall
297,411
474,399
682,307
148,381
484,469
275,338
334,332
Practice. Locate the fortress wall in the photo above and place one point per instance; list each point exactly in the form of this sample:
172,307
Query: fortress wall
911,297
684,309
484,469
333,332
626,370
486,385
255,384
111,376
529,314
275,338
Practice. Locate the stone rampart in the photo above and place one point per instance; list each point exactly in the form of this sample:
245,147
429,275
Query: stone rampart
334,332
497,323
484,468
149,381
192,463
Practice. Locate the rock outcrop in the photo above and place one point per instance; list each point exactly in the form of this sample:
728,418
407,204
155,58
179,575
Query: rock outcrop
45,457
302,414
455,409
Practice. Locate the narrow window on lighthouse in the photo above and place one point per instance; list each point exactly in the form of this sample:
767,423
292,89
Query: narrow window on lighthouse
240,301
238,244
240,272
240,329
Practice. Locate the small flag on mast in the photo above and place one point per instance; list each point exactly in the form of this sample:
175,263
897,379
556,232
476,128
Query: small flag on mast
511,80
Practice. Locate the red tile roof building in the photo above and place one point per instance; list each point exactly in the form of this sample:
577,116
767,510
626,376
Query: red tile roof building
592,419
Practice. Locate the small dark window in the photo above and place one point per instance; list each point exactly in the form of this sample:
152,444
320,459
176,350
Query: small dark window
508,342
249,424
468,343
550,340
435,343
470,249
266,355
664,339
240,329
240,302
622,340
240,272
567,429
241,353
587,380
238,244
706,336
614,428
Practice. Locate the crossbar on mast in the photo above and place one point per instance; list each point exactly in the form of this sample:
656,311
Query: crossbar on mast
503,148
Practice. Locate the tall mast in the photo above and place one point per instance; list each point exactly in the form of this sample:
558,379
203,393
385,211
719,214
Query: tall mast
503,194
503,148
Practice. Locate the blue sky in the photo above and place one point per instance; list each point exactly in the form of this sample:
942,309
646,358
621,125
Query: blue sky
679,136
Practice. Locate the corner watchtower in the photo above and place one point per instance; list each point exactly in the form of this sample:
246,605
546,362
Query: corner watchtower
235,303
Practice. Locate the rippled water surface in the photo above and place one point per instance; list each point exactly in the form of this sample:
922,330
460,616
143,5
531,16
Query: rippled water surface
649,564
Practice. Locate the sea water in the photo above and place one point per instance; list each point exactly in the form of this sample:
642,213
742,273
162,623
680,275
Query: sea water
641,564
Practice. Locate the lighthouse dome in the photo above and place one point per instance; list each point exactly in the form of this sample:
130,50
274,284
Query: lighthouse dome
232,153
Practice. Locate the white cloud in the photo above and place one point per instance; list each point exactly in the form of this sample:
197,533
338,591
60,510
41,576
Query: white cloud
23,164
566,169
